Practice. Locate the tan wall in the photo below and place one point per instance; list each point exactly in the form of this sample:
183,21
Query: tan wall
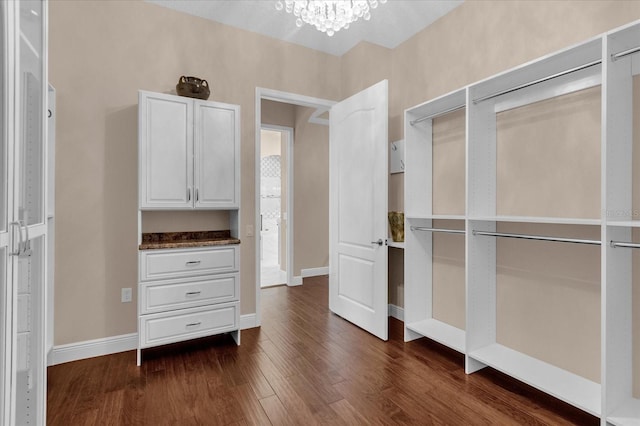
183,221
129,45
310,193
277,113
479,39
101,54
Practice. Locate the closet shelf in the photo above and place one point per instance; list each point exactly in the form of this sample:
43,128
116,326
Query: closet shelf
537,219
627,414
441,332
395,244
625,223
436,217
560,383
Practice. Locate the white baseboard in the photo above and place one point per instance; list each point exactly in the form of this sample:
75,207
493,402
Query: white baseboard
248,321
93,348
314,272
296,281
396,312
112,345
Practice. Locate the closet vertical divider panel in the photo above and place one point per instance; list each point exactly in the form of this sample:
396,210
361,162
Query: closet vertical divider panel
480,251
621,405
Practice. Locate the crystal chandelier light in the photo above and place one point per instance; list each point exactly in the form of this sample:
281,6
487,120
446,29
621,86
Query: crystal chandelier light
329,16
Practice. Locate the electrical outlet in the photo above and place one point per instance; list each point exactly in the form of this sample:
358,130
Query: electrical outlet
126,295
249,230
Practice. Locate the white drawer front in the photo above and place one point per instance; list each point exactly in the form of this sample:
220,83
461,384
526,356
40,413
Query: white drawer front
176,326
165,264
159,296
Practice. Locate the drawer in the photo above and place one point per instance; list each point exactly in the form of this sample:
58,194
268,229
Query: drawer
159,296
185,324
178,263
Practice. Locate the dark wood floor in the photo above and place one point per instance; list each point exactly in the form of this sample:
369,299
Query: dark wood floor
304,366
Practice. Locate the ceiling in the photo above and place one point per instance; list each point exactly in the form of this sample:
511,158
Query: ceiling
391,23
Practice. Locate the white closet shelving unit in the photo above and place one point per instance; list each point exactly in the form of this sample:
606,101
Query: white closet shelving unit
607,63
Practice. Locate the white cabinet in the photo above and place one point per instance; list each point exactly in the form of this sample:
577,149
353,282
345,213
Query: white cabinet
187,293
166,151
189,153
189,158
216,155
161,264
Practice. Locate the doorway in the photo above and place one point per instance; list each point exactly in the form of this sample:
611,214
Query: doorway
274,188
305,243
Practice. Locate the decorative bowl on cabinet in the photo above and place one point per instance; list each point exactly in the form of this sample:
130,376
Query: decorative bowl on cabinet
193,87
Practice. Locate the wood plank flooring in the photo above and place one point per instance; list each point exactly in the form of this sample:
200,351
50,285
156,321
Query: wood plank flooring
304,366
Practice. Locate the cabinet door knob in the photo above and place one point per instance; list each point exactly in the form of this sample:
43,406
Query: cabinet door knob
188,194
193,293
193,262
196,195
194,324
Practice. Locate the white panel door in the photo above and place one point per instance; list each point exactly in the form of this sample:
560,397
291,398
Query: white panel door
6,306
23,231
216,155
166,151
358,209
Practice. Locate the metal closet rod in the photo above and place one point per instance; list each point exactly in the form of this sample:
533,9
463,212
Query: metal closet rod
537,237
619,55
436,114
540,80
623,244
449,231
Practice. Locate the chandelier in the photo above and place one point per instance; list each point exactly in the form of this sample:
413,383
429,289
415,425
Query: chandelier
329,16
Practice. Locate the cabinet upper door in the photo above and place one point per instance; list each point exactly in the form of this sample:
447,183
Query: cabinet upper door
217,153
166,151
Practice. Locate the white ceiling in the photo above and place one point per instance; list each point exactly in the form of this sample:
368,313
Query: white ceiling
391,23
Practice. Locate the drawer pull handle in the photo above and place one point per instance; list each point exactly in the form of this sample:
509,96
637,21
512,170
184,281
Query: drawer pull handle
194,324
193,262
193,293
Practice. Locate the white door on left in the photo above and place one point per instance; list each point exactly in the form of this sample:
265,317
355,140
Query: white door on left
23,229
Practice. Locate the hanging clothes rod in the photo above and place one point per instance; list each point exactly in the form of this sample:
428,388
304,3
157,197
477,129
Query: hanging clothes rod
616,56
448,231
540,80
536,237
436,114
623,244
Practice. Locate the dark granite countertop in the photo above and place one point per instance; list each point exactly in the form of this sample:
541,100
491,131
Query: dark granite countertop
165,240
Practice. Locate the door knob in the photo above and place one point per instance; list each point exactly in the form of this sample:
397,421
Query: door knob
379,242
